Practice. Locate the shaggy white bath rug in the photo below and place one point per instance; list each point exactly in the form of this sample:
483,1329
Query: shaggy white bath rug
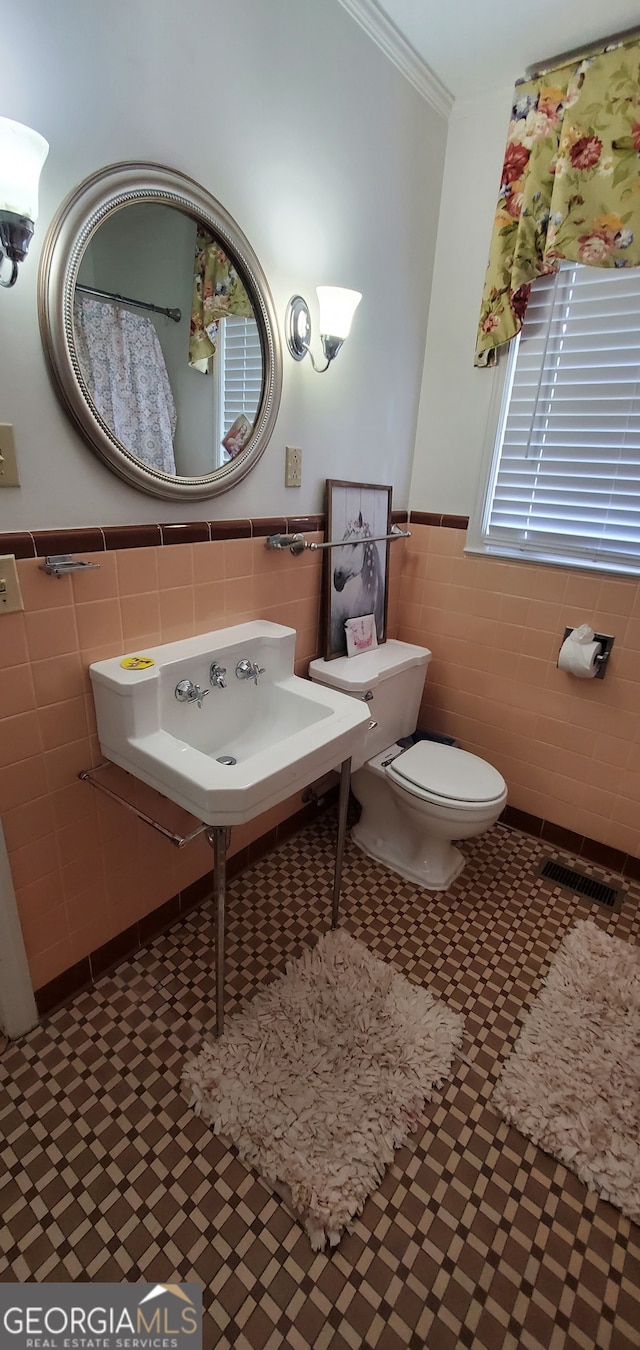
572,1083
323,1075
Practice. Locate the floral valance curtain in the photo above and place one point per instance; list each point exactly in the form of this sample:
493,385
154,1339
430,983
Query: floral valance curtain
217,290
570,185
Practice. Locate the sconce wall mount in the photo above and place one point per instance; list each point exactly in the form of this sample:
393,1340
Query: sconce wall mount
22,155
337,308
16,233
297,325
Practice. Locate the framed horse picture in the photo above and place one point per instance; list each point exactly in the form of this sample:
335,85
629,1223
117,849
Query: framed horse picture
356,566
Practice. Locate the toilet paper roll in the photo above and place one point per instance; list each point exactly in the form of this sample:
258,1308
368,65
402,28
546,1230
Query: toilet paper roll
578,653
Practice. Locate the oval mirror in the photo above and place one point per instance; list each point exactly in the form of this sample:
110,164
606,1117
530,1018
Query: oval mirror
160,331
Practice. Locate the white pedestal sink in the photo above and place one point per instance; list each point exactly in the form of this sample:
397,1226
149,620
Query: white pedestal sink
221,725
280,731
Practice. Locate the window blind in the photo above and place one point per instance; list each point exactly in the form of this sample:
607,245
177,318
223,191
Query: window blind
242,388
566,477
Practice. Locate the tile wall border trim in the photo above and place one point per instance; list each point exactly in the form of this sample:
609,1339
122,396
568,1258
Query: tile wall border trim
580,845
435,518
104,538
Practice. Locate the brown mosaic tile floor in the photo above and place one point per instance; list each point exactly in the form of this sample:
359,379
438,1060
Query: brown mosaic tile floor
475,1237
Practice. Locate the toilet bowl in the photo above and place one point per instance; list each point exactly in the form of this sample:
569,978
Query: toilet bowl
415,806
415,801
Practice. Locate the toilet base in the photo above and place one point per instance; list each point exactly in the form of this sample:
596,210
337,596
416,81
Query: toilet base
434,873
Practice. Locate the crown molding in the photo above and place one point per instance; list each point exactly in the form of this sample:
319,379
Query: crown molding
387,37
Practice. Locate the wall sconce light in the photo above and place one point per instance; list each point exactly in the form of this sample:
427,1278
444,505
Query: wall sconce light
22,155
337,308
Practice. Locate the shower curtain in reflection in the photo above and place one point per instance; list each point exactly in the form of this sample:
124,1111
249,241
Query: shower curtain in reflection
124,369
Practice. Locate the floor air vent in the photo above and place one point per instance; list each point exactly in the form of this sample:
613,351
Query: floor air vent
577,881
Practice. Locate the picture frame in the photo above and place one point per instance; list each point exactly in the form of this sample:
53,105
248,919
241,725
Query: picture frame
237,436
355,572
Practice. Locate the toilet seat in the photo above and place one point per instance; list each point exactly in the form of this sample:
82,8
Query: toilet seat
447,776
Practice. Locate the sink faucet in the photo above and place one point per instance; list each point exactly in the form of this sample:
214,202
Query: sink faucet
217,676
249,670
188,692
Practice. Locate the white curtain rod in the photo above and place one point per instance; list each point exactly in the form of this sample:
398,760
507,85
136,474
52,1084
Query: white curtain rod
578,54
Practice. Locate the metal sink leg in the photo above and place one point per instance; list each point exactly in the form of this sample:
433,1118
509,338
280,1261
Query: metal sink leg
343,803
219,837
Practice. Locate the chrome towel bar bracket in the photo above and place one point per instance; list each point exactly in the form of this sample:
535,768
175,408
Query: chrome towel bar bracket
58,564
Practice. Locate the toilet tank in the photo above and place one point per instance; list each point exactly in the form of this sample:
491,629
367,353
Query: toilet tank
394,675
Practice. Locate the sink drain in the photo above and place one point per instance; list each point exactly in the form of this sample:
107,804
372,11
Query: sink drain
226,759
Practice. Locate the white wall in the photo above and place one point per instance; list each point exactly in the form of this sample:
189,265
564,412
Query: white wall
330,161
454,403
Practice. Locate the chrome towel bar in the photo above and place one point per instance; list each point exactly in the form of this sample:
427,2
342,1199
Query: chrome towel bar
296,543
90,776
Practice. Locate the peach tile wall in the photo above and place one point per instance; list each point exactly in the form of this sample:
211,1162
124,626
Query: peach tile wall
569,749
83,868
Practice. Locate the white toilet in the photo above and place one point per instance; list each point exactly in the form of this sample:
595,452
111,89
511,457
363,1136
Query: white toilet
416,801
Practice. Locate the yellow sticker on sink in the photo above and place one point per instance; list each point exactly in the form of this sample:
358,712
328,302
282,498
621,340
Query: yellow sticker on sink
137,662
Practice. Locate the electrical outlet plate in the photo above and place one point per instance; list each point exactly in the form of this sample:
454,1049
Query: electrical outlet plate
10,593
293,466
8,462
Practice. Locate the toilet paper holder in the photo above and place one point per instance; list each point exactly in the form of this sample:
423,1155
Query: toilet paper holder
606,643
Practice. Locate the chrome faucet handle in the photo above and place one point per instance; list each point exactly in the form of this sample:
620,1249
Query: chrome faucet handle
217,676
188,692
249,670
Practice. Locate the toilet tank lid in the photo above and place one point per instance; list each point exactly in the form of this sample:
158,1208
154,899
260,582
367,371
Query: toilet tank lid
356,674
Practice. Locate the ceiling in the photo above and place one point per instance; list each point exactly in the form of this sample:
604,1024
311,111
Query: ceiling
476,45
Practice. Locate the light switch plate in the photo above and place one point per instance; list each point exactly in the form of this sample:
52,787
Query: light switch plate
8,462
10,593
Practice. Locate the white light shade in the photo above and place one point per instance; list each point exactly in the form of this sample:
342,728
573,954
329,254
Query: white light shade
22,154
337,308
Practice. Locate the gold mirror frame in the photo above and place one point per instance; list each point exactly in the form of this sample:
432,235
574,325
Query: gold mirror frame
73,226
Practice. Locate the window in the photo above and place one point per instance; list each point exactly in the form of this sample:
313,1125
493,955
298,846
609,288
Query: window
241,362
564,482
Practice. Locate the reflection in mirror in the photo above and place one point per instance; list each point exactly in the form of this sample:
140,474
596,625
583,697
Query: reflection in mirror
159,331
169,388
